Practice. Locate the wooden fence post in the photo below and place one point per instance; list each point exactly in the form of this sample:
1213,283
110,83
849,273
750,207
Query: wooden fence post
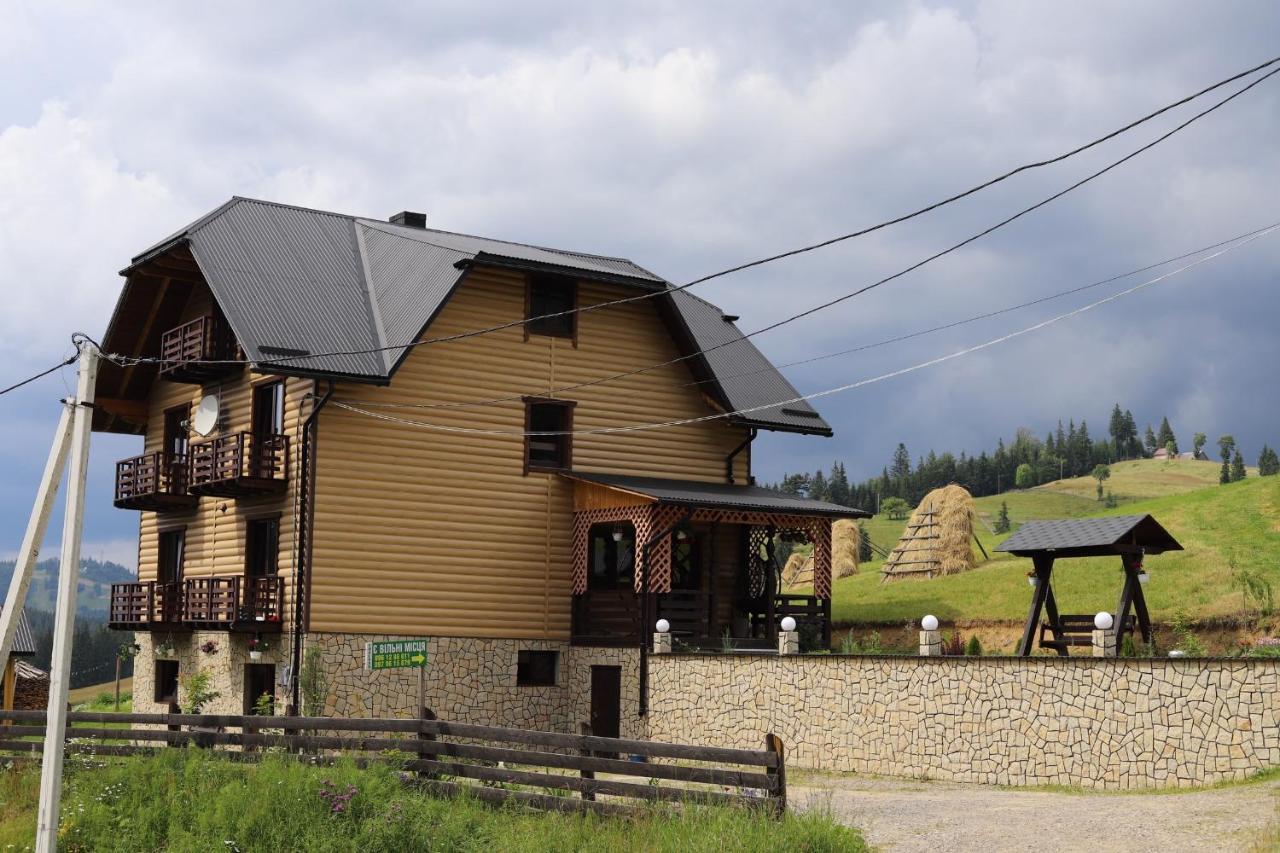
427,714
584,729
773,743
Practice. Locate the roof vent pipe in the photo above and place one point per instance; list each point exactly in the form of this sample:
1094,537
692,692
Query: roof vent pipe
409,219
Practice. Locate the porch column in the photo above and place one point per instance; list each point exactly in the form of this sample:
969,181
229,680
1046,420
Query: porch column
820,535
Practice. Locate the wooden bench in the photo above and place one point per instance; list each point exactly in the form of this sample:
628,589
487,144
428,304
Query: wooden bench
1076,630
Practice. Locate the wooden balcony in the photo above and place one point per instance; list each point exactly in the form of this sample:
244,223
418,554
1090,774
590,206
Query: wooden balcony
239,465
230,602
156,482
187,350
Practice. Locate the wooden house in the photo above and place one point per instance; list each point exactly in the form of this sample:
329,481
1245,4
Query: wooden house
366,468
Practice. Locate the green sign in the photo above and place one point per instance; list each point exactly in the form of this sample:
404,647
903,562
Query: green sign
395,654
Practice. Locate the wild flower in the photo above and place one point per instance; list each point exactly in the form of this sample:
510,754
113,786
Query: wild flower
338,799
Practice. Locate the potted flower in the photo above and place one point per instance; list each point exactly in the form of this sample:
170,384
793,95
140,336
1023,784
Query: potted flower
166,649
209,648
256,647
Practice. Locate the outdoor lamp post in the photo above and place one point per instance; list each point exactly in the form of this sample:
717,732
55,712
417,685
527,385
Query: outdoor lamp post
930,637
788,637
662,637
1104,638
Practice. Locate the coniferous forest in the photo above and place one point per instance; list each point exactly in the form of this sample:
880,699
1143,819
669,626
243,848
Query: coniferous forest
1070,450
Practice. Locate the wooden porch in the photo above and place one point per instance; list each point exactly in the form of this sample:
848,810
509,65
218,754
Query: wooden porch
192,352
703,556
155,482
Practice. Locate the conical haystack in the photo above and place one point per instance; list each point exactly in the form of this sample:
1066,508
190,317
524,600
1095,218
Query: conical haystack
937,539
844,556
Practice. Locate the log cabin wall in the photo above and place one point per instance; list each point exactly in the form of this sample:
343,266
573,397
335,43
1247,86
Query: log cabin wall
426,532
215,530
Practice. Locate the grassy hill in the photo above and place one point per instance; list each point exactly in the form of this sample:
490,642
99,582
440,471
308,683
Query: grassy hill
93,596
1218,526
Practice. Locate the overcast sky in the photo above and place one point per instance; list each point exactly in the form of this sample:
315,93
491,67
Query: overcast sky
688,139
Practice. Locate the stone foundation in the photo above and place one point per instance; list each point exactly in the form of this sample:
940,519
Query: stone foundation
1095,722
474,681
226,667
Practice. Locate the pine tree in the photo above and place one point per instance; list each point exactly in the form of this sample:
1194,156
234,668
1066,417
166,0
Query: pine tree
1149,440
838,485
1165,438
900,470
1115,427
1237,467
1224,476
1131,448
1002,519
818,486
1268,462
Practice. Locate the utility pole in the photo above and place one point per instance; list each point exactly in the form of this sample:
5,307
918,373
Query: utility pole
65,614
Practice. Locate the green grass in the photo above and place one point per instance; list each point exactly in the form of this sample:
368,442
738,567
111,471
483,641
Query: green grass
93,691
1145,478
188,800
1216,525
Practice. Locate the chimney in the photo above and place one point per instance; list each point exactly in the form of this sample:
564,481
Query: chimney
409,219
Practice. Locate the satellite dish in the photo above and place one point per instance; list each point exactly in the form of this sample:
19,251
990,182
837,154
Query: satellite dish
206,417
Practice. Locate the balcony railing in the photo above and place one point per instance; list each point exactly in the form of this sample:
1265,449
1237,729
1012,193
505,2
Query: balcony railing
155,482
228,601
186,352
239,464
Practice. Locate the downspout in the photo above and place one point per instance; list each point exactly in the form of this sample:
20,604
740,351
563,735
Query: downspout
645,615
728,460
302,575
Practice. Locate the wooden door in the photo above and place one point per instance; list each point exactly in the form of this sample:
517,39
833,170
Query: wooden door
606,700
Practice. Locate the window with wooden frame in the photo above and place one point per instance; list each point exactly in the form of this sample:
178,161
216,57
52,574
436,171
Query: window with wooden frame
175,431
268,409
548,441
262,547
536,668
550,294
171,554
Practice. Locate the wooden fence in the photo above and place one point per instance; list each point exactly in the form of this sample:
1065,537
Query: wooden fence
547,770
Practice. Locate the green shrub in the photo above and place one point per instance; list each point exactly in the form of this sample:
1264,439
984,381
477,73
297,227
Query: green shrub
974,647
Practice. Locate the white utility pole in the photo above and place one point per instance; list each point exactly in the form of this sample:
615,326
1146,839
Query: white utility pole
31,541
65,615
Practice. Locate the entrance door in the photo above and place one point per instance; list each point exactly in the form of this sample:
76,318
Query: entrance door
606,700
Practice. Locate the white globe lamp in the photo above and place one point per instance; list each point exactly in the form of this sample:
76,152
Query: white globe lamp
788,623
929,623
663,626
1103,621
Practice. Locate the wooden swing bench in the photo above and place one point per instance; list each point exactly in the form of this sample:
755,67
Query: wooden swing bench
1075,630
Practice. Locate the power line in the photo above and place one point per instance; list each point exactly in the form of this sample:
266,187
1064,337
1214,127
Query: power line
815,395
40,375
954,247
862,348
128,360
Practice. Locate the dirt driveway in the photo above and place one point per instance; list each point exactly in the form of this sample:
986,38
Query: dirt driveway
901,816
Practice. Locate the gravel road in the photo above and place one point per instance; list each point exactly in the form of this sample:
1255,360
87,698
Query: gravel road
902,816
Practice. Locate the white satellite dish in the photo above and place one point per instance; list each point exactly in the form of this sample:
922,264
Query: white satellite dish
206,416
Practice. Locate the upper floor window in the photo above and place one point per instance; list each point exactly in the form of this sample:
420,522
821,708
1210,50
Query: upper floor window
551,294
170,556
553,449
268,409
262,547
175,431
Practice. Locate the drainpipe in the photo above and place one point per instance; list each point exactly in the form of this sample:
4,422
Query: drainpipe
728,460
303,545
645,615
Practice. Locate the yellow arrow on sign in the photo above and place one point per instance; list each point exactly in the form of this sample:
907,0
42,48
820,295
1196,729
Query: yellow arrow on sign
419,658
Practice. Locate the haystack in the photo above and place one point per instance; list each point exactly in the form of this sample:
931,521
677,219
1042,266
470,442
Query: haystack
844,557
937,538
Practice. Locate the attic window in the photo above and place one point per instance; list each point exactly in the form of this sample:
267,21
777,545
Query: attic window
550,294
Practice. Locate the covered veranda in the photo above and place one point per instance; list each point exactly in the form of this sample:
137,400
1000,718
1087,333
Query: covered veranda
703,556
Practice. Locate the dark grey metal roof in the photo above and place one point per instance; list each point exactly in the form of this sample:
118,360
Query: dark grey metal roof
719,495
293,281
743,374
24,642
1090,536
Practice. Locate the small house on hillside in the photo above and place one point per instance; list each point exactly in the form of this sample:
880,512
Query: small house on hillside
354,429
1163,454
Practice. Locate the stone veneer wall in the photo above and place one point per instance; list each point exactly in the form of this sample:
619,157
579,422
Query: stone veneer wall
225,667
474,681
1114,723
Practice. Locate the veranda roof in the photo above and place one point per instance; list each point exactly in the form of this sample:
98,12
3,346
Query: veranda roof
716,495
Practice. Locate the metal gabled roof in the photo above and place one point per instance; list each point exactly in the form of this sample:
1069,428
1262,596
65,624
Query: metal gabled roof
1090,536
24,642
718,495
745,377
293,281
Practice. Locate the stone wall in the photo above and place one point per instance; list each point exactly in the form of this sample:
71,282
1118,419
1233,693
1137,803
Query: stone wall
226,668
1098,723
474,681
